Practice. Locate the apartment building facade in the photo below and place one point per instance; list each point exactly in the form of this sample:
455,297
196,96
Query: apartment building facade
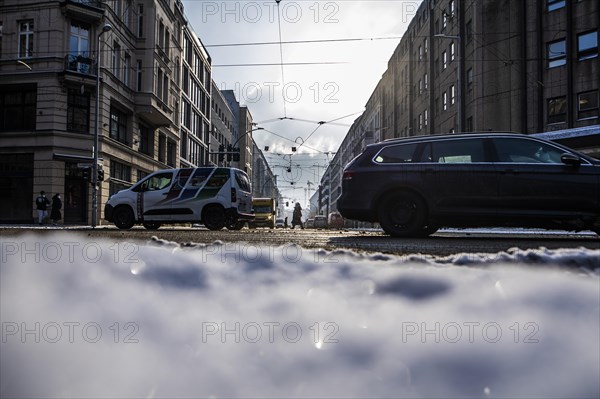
525,66
224,126
154,92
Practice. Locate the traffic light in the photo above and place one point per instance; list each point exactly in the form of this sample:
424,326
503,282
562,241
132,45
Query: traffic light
229,151
236,154
86,173
100,175
221,154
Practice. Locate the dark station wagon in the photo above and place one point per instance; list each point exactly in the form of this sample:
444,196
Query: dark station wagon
414,186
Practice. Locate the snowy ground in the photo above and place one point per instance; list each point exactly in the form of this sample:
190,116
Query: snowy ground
105,319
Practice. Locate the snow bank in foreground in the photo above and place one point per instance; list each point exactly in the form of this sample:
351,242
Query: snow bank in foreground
114,319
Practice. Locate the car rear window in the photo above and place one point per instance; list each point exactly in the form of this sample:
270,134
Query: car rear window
401,153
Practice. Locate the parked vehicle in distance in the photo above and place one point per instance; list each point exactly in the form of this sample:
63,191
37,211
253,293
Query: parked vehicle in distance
413,186
214,196
264,213
310,223
320,222
279,223
336,221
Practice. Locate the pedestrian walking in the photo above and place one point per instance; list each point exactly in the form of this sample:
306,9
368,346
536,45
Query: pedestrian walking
56,207
42,203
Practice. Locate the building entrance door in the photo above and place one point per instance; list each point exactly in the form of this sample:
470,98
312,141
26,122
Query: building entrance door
76,194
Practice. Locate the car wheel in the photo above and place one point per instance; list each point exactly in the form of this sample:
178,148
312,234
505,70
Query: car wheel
213,218
151,225
428,230
238,225
403,214
123,217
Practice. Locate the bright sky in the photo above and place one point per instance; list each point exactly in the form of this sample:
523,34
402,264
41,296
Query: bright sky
329,80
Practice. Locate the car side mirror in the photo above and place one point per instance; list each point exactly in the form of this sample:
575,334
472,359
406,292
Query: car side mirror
570,159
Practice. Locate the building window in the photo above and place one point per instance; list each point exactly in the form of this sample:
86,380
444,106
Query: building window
444,60
469,31
159,84
171,153
557,53
452,95
162,143
444,101
425,80
18,107
140,20
79,47
420,53
470,78
452,52
141,174
587,105
0,39
127,13
126,68
139,75
420,86
444,20
587,45
452,8
120,177
557,110
469,126
420,122
26,39
425,118
116,59
118,125
146,140
555,4
425,46
78,111
161,35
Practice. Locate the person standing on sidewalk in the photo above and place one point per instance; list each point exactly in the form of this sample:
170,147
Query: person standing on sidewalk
42,203
56,207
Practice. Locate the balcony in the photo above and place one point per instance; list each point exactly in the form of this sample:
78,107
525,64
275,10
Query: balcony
85,10
153,110
79,69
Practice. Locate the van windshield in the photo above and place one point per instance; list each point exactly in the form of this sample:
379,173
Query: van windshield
242,181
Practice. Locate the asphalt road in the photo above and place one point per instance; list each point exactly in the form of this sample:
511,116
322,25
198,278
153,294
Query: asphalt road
445,242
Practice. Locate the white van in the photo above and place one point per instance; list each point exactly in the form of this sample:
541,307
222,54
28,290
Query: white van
217,197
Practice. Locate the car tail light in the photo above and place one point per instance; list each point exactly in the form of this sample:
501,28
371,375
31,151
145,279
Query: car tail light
348,175
233,195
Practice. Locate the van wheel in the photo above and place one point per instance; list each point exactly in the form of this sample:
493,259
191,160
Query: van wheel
403,214
123,217
213,218
151,225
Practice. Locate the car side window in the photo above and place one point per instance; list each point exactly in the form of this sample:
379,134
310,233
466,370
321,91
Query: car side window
456,151
396,154
511,150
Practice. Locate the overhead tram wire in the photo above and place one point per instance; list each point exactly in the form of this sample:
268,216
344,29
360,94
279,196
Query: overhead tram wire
281,56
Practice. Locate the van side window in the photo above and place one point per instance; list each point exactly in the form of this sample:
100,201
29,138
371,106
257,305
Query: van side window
458,151
158,182
396,154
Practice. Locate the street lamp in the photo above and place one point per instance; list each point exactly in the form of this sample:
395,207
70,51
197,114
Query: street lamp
458,77
105,28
